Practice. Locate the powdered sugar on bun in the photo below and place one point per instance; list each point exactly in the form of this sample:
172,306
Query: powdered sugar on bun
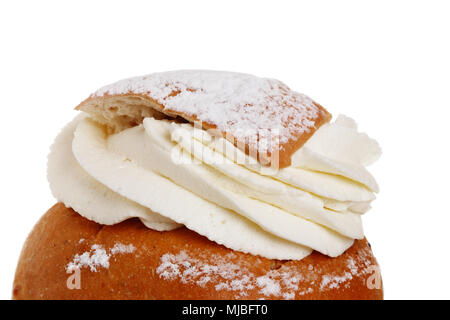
129,261
254,113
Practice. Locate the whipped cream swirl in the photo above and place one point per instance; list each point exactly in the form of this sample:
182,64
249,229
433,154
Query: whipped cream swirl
314,204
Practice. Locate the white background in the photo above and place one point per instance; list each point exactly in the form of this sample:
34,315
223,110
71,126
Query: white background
385,63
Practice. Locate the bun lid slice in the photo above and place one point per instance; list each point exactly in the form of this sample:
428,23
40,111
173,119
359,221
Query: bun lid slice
261,116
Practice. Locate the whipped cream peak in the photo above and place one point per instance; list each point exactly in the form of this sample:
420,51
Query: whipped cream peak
171,174
342,142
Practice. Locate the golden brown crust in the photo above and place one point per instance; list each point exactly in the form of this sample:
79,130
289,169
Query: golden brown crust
178,264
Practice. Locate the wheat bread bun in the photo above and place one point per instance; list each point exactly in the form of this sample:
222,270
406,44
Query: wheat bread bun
130,261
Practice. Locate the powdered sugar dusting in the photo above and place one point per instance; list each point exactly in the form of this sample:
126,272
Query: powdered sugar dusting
121,248
355,269
268,286
284,282
332,282
229,276
97,256
254,110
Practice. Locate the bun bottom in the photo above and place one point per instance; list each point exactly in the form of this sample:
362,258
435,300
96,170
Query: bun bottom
69,257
